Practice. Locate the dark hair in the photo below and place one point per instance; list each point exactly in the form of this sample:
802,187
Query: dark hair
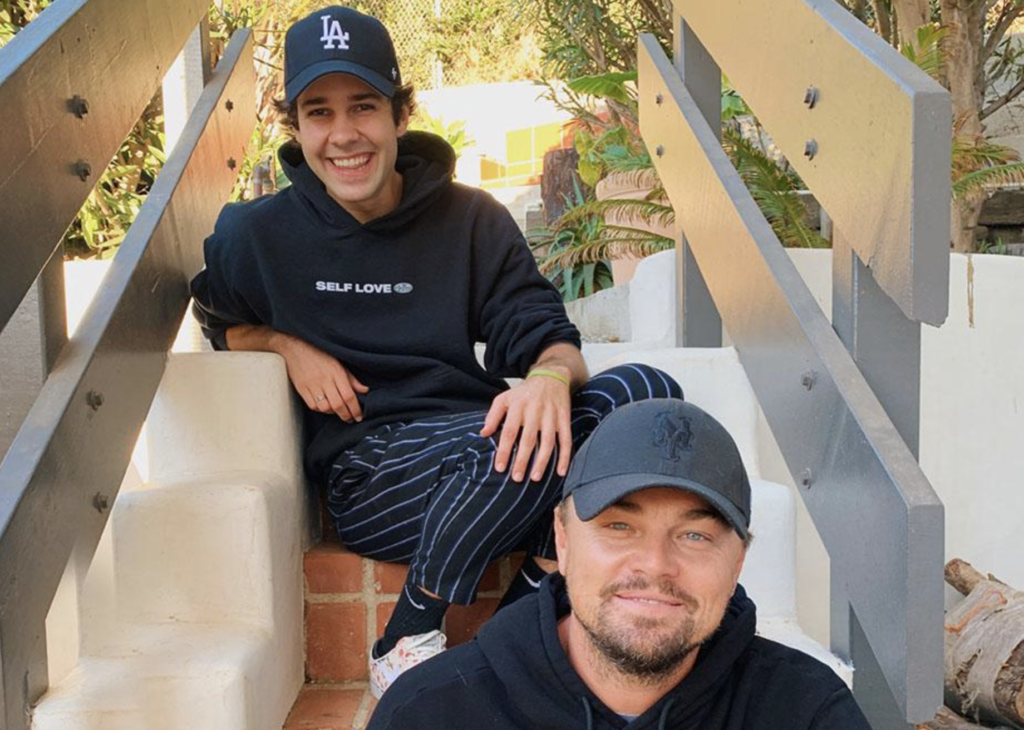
404,98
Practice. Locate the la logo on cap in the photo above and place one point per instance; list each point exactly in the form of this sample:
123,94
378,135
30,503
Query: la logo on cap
333,34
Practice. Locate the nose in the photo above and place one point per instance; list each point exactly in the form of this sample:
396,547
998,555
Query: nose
655,557
342,132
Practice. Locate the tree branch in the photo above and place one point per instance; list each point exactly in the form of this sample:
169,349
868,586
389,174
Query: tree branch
1002,100
1007,15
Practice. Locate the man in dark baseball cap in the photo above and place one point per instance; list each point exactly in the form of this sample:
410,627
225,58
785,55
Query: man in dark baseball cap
645,625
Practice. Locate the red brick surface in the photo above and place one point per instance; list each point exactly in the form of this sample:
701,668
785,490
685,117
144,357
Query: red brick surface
461,622
324,709
384,611
330,568
389,577
336,642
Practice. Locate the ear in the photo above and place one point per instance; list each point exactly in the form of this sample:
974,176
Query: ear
561,541
403,121
738,567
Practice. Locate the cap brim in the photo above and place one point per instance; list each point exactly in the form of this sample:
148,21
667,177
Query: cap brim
308,75
593,498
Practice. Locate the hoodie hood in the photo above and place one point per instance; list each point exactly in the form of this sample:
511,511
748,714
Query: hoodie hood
527,656
425,161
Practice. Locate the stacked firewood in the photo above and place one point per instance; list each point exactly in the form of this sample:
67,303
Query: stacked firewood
984,664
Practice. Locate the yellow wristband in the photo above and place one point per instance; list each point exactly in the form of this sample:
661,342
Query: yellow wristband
549,374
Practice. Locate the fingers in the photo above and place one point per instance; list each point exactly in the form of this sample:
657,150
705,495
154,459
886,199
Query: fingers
493,419
527,442
564,442
548,435
357,385
348,395
509,432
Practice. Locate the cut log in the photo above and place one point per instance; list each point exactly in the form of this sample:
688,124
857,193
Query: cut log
948,720
984,663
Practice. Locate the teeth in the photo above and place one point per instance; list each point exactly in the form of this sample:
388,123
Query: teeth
351,161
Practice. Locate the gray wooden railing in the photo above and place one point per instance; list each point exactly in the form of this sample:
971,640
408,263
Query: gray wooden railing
72,85
870,134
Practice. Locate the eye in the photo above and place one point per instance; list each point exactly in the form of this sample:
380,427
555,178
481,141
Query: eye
319,112
696,537
365,107
618,526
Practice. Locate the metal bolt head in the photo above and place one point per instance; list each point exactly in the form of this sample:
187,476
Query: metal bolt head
659,151
229,105
95,399
101,502
805,478
659,99
811,97
82,170
78,106
232,164
810,149
808,379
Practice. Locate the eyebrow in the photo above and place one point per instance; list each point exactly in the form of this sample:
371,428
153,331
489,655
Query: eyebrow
697,513
362,96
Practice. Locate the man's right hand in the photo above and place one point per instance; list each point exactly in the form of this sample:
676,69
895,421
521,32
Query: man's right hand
321,381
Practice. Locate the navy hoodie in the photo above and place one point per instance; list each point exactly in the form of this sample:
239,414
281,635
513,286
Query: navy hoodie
400,300
516,676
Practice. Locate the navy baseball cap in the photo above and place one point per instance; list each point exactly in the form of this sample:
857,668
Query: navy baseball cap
339,40
661,442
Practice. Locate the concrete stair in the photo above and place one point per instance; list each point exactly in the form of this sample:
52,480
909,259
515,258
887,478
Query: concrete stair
190,614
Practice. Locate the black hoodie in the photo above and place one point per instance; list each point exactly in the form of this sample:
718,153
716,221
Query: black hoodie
516,675
400,300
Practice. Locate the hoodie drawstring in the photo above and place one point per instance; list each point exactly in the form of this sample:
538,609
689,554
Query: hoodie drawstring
663,720
590,713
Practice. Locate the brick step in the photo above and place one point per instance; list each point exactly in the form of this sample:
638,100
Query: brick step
349,599
332,707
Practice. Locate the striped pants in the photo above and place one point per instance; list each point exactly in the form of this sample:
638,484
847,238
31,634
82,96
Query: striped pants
426,493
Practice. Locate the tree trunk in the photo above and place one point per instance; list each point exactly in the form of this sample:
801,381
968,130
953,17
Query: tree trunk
912,14
962,48
984,658
559,182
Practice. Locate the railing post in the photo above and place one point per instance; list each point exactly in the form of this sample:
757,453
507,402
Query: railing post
29,347
185,81
886,346
698,323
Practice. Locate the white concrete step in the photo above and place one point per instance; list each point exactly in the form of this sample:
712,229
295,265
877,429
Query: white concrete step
191,612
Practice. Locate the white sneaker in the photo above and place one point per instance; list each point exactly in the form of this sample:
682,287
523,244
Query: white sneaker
408,652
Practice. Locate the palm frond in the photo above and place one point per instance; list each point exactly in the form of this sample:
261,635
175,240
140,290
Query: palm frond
926,50
611,85
979,181
635,211
774,190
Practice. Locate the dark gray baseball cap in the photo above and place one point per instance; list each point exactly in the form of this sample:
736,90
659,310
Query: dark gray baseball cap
661,442
339,40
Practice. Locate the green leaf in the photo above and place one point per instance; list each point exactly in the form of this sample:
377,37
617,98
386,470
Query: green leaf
611,85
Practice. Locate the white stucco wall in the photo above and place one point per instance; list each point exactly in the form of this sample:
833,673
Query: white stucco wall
972,424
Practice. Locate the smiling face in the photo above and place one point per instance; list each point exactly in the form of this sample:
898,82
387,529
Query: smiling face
649,578
350,141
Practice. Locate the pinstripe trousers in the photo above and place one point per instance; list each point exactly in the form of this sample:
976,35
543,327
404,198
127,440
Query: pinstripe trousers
426,492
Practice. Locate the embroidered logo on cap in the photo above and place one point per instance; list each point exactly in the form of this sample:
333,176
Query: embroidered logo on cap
672,435
333,33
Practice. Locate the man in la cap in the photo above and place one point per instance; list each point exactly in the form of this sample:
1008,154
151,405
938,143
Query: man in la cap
374,275
645,625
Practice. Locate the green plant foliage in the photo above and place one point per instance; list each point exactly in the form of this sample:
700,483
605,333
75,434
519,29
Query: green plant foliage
926,52
573,252
454,133
774,190
557,249
613,85
733,105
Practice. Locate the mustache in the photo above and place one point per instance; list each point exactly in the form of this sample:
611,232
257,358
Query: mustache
640,583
